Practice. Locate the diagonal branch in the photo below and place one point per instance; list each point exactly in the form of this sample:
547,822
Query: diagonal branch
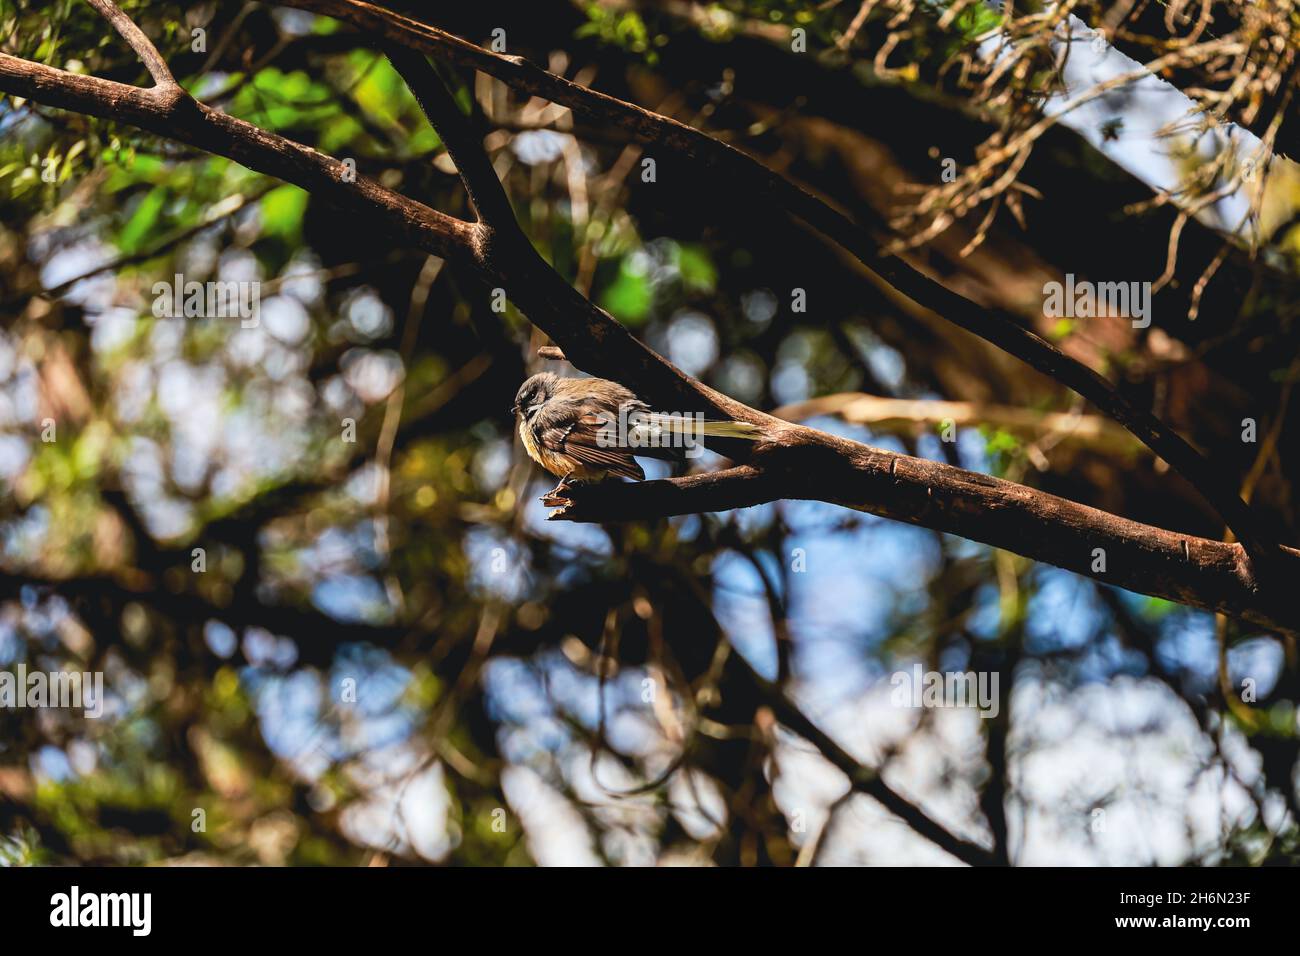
133,35
863,779
172,113
457,134
737,172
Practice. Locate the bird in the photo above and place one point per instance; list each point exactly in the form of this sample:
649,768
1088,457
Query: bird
586,430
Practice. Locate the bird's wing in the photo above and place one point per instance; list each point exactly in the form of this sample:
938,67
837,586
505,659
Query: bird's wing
577,433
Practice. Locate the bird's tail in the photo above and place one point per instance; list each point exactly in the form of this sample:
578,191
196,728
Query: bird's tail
732,429
703,427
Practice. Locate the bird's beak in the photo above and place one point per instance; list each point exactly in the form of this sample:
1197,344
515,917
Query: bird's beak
514,409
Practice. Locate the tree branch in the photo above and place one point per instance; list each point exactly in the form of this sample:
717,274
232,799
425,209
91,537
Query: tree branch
133,35
863,779
173,114
1197,572
458,135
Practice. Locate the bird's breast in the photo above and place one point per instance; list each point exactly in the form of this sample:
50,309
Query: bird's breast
555,464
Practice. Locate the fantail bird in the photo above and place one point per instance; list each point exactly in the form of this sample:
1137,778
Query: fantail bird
586,429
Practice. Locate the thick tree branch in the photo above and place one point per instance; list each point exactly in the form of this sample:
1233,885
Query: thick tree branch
1197,572
506,255
737,172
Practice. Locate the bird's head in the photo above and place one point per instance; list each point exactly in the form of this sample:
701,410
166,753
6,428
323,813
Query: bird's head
533,393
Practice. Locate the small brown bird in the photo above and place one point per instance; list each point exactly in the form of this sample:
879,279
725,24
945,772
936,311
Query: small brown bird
586,429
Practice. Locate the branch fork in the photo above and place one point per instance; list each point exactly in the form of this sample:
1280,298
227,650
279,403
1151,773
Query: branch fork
143,46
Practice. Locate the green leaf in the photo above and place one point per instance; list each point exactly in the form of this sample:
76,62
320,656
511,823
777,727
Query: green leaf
142,222
697,269
282,211
629,296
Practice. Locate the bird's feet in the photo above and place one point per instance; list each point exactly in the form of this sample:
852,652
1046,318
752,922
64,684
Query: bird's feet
556,497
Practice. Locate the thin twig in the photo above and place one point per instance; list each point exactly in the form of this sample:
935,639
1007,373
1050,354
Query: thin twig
143,46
